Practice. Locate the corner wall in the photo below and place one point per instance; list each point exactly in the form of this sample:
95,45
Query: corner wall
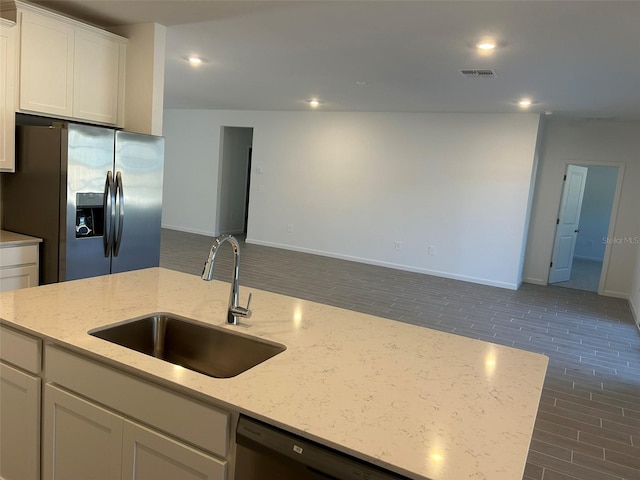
593,143
144,79
190,189
352,185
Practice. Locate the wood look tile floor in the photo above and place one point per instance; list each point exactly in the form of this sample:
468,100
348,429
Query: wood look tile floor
588,423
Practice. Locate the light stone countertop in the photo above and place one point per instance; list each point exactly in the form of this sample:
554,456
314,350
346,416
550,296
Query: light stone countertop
417,401
12,239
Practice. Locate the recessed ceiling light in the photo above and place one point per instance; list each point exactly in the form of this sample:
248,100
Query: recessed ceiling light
486,45
361,83
525,102
195,60
314,103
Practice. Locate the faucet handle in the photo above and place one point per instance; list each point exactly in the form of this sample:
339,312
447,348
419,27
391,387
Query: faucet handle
249,302
241,311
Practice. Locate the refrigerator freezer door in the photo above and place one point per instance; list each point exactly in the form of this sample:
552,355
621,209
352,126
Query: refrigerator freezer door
139,163
90,154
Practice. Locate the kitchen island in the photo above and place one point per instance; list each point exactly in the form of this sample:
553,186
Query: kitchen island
418,402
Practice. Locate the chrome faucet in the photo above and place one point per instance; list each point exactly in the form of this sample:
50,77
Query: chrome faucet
235,311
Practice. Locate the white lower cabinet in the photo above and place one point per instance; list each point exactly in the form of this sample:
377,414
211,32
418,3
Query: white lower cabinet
18,266
15,278
103,424
85,441
149,455
81,440
20,424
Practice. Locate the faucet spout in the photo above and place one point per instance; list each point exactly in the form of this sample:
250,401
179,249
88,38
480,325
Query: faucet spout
235,311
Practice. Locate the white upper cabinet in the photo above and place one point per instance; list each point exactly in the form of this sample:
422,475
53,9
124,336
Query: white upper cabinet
98,69
68,69
7,89
46,65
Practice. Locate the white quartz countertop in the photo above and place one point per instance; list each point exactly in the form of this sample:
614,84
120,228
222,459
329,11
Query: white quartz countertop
419,402
10,239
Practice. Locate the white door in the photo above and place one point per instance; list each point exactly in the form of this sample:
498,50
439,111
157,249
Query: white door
568,224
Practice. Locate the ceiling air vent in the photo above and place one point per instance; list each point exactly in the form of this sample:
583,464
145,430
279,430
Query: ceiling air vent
478,73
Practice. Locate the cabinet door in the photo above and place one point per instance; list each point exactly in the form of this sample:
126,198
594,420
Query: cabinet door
18,267
7,96
20,420
148,455
46,65
96,77
18,277
81,440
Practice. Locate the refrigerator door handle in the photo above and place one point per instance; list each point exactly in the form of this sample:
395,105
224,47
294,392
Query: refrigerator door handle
109,214
120,212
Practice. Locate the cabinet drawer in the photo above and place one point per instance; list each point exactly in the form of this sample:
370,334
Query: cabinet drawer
184,418
23,351
12,256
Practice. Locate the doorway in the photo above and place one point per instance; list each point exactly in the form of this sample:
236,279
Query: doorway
584,224
235,174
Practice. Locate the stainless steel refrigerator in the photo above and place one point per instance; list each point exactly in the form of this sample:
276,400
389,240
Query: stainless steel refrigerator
93,194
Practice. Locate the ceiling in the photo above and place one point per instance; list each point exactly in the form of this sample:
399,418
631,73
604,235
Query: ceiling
574,58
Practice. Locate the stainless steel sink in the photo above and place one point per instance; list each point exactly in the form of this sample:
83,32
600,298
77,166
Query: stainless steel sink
214,351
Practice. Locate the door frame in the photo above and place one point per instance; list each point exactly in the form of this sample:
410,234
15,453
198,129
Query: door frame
218,211
246,203
604,273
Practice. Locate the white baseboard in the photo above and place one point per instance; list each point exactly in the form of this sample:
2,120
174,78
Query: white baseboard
611,293
407,268
534,281
190,230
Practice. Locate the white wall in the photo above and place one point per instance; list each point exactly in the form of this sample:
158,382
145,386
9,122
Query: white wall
634,296
351,185
599,191
232,188
583,142
190,171
144,80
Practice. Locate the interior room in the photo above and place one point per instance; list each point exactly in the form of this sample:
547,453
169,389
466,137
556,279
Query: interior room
397,169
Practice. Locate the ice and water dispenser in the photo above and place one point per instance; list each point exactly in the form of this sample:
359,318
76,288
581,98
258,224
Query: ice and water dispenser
89,215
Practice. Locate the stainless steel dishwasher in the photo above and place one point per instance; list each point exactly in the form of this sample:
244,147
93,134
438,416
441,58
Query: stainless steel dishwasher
268,453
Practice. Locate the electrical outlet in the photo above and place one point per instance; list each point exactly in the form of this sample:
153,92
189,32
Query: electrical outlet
432,250
398,245
289,228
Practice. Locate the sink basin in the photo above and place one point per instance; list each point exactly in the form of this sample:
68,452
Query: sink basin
214,351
